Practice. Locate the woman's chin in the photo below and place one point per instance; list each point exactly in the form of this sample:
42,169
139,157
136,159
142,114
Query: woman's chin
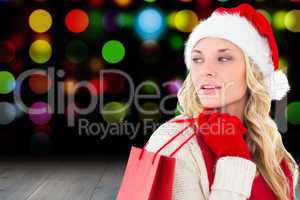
211,104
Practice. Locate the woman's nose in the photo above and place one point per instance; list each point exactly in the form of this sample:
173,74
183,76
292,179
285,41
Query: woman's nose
207,69
208,73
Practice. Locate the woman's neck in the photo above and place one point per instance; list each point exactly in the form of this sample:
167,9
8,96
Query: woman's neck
235,108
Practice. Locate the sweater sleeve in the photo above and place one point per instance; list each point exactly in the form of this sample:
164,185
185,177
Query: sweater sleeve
231,172
233,179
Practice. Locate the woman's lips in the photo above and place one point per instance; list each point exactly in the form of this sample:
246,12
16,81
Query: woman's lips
209,89
209,86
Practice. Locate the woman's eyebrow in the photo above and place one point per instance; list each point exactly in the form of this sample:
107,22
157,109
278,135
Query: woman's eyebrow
222,50
219,50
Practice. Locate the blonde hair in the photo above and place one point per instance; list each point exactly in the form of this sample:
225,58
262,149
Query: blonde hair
264,139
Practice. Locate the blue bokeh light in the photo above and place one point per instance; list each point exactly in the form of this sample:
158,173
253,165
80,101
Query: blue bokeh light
150,24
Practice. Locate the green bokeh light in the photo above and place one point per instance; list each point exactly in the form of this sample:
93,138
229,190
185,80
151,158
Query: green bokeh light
150,87
113,51
150,111
178,110
95,18
293,113
95,29
176,42
125,20
283,64
7,82
114,112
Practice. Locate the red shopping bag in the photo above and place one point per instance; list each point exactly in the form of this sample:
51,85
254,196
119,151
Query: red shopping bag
148,175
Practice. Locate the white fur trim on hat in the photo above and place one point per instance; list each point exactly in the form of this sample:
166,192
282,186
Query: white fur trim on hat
278,84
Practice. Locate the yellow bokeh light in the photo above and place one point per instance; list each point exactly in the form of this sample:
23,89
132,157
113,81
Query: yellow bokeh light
96,64
278,20
40,21
171,19
69,86
40,51
292,20
123,3
186,20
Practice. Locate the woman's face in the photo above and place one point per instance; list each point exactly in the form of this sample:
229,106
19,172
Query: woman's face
220,65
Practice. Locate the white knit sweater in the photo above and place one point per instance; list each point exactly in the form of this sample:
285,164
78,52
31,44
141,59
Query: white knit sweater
233,175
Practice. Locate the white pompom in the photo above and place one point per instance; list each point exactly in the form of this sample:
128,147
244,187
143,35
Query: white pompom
278,84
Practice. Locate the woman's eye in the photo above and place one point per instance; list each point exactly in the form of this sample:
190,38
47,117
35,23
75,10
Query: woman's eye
224,59
196,60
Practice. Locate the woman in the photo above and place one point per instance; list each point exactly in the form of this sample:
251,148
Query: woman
232,59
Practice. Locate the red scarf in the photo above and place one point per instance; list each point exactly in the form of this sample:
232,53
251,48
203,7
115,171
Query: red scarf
260,189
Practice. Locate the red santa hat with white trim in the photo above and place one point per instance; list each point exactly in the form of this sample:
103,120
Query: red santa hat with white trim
251,31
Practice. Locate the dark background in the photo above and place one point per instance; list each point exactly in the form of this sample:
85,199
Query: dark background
162,63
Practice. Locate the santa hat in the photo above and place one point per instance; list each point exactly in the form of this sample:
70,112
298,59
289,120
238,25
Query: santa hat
249,30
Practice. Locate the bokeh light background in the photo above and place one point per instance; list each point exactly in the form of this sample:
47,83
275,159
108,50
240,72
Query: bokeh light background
77,39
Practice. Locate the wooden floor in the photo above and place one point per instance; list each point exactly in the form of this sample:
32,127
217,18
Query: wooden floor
95,178
61,179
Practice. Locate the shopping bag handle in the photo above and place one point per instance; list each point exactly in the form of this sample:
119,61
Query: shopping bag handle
191,123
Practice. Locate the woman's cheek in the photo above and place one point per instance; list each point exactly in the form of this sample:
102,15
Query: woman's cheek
234,90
